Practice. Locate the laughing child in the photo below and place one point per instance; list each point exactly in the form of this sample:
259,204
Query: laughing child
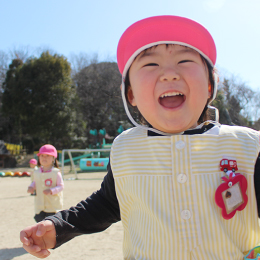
164,179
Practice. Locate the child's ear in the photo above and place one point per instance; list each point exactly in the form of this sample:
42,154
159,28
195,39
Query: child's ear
130,96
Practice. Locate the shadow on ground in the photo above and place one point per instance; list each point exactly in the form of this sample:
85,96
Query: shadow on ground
10,253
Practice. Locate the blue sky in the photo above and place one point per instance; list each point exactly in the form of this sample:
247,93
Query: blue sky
90,27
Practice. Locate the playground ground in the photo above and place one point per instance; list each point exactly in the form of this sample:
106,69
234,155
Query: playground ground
17,211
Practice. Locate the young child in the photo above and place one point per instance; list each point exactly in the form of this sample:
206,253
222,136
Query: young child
164,176
33,164
48,183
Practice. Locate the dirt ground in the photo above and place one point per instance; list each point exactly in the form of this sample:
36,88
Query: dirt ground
17,211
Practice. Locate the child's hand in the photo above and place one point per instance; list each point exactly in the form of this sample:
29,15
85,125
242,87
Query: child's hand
37,239
30,190
47,192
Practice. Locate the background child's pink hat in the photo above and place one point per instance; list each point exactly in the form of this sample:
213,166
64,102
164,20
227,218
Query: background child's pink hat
33,161
161,30
48,149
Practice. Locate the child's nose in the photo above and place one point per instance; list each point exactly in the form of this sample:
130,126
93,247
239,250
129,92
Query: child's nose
169,74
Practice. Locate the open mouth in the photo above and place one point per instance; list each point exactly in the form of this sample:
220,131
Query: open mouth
171,99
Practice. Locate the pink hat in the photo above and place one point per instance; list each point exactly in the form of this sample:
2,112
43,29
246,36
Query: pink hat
166,29
33,161
48,149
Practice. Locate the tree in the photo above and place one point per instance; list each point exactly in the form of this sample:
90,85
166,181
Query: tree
81,61
98,89
3,67
8,132
37,95
4,122
235,102
219,103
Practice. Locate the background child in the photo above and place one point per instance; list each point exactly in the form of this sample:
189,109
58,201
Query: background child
33,165
48,183
163,176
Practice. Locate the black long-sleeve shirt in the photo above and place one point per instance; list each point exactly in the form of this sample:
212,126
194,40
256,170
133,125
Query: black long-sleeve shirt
101,209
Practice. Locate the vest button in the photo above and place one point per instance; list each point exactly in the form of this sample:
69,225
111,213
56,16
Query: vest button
181,178
185,214
180,145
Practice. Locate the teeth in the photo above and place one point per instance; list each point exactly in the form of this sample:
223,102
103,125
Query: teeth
171,94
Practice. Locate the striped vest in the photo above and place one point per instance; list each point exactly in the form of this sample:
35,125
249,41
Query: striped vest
166,185
43,181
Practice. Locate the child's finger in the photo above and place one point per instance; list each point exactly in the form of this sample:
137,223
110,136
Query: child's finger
43,227
30,240
24,236
36,251
41,230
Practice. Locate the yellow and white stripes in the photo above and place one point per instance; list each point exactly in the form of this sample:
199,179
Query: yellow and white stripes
166,185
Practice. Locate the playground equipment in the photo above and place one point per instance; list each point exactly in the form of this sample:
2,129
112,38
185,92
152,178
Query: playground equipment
95,158
19,174
87,153
93,164
14,149
27,174
9,173
15,174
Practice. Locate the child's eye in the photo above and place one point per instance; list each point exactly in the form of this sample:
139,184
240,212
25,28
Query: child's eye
150,64
183,61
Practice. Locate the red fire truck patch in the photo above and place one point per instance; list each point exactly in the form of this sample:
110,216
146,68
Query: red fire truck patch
228,165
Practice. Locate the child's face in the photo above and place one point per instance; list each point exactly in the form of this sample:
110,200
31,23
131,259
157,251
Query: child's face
32,165
46,160
170,87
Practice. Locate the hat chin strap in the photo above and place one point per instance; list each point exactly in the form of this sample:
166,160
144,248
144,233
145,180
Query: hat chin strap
216,112
158,131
